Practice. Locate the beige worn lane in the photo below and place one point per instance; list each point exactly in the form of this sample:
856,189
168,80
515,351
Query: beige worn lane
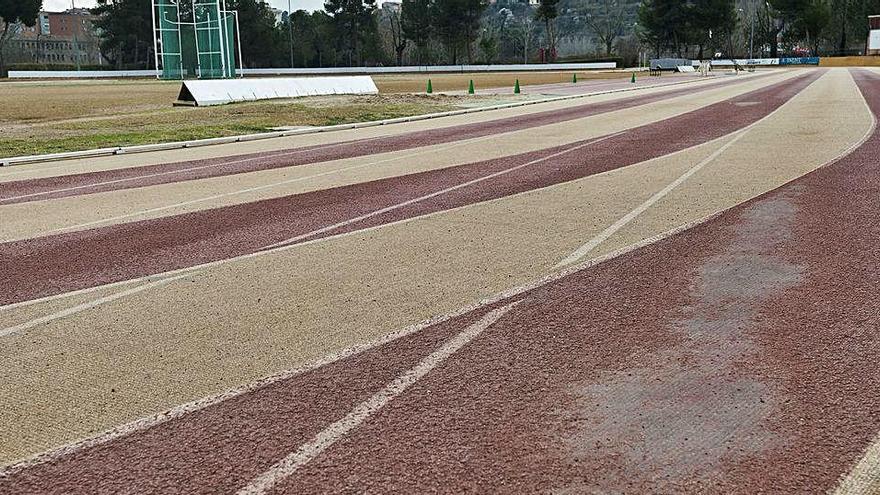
69,167
34,219
230,324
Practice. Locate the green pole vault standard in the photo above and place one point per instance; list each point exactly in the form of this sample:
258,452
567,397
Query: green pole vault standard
194,38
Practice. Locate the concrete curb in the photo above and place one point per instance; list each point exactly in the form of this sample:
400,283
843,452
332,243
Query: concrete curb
146,148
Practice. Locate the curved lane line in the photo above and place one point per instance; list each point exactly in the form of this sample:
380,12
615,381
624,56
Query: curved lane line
362,412
286,243
651,98
864,479
197,405
262,252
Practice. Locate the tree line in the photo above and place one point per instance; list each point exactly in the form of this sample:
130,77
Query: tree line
760,28
423,32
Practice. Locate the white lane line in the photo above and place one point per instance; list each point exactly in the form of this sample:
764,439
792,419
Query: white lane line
272,248
864,479
438,193
699,84
172,172
629,217
266,251
330,435
586,248
265,186
85,306
197,405
516,106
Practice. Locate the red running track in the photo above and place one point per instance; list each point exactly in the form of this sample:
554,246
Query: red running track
65,262
740,356
133,177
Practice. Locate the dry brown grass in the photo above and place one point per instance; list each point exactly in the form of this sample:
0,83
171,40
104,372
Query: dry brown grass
28,102
869,61
414,83
51,116
187,123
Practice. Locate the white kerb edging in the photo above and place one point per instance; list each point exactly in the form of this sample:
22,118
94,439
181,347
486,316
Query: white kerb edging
21,160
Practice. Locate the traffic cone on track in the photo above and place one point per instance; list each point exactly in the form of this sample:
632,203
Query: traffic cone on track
633,80
516,87
471,87
430,88
574,78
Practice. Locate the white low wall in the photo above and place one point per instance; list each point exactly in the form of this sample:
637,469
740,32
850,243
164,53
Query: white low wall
48,74
83,74
430,68
220,91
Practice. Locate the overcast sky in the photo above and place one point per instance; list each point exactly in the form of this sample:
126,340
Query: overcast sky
59,5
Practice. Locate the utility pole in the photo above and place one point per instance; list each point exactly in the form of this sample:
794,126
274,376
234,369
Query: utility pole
290,30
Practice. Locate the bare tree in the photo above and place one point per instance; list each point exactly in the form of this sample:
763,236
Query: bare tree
398,39
607,20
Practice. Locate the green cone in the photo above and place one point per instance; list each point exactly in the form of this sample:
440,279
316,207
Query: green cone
430,88
516,87
633,80
471,87
574,78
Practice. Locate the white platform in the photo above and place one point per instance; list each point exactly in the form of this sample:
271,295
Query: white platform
218,92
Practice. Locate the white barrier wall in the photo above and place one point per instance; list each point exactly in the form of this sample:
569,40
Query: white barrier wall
220,91
431,68
83,74
321,71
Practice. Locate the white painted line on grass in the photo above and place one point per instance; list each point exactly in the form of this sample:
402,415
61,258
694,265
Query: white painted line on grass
330,435
864,479
437,193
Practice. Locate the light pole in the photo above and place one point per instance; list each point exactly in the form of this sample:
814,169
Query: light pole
290,30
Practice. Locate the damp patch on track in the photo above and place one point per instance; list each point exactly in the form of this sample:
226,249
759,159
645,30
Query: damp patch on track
675,418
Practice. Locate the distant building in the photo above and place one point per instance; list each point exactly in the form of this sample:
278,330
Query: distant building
280,16
872,46
390,7
57,38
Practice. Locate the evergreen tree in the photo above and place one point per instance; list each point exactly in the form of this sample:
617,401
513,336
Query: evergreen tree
417,25
126,32
548,11
355,26
13,12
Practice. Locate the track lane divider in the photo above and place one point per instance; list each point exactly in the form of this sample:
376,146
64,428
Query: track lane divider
120,150
363,411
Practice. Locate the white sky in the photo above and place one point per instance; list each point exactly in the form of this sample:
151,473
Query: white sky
59,5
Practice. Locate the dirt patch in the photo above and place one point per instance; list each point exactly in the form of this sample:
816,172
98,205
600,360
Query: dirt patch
679,415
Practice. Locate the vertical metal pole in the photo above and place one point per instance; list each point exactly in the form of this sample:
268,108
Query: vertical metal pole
224,31
198,50
290,30
179,42
156,33
238,38
220,32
